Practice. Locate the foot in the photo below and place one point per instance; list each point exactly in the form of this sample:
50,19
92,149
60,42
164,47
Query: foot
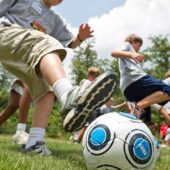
20,137
76,140
150,123
39,148
134,109
79,106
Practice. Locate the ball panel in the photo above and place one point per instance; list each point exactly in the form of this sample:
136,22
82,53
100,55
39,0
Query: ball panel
118,141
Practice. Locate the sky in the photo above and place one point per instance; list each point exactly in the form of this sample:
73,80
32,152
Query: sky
79,11
113,20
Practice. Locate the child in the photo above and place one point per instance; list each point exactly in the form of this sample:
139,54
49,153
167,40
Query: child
135,84
92,74
35,57
18,98
164,109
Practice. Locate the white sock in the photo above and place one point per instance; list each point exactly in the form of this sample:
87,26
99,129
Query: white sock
61,88
36,134
21,127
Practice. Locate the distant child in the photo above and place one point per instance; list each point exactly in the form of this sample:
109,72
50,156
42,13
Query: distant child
19,97
164,109
33,41
92,74
136,85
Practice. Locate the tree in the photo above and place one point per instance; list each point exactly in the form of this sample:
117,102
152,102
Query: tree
4,82
159,55
84,58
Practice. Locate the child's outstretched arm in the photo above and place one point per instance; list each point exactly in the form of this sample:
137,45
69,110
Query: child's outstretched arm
84,33
126,54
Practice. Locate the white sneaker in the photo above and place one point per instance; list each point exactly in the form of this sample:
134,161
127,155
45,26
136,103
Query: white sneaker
79,106
20,137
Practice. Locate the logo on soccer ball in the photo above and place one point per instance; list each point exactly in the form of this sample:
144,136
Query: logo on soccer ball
99,139
139,150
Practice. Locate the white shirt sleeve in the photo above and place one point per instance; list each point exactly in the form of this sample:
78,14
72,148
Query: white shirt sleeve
5,5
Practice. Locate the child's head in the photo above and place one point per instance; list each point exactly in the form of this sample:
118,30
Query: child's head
109,102
135,40
50,3
93,73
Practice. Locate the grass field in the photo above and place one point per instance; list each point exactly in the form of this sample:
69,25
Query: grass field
66,156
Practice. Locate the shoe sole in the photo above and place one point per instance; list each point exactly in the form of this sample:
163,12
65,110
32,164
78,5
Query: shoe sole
96,95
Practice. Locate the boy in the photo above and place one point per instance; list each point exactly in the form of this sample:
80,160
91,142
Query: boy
92,74
135,84
165,109
35,56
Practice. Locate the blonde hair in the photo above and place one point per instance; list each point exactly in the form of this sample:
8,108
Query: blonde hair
94,71
133,38
167,74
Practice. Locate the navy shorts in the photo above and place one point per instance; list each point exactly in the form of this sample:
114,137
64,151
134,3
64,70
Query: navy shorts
145,87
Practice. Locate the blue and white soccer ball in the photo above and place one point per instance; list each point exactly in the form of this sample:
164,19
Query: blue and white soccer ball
119,141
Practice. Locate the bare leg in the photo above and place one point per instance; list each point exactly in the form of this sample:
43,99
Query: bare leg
25,102
42,111
166,115
156,97
13,104
51,68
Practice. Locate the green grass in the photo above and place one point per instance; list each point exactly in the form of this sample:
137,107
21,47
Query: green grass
66,156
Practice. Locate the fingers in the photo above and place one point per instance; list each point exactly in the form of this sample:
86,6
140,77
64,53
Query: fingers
139,58
85,31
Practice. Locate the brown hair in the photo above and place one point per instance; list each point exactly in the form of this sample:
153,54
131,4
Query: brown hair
133,38
94,71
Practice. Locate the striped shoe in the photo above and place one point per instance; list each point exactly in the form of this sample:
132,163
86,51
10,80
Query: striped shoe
39,148
79,106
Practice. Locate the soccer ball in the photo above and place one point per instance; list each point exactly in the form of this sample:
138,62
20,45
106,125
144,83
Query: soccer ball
119,141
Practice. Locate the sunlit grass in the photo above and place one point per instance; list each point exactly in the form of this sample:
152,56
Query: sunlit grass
66,156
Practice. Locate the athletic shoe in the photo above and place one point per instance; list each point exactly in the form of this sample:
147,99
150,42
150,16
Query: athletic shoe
134,109
79,106
39,148
20,137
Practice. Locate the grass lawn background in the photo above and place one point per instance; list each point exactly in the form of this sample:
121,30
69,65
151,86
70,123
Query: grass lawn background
66,156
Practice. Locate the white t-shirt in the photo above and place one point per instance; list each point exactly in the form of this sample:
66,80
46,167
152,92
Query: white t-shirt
34,14
130,70
167,81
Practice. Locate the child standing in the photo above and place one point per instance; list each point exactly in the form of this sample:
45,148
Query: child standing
19,97
32,44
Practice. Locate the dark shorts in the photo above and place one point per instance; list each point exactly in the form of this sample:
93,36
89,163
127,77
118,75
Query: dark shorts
145,87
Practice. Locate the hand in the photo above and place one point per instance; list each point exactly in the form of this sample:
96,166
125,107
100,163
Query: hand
85,32
139,58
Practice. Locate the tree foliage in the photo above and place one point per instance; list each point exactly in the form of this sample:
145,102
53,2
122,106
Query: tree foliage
159,55
85,57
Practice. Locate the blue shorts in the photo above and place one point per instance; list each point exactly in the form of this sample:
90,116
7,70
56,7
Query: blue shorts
145,87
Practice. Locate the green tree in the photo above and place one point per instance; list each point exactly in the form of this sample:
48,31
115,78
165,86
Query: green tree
158,54
85,57
4,82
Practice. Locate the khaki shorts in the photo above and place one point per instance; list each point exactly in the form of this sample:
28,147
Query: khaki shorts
21,51
17,86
